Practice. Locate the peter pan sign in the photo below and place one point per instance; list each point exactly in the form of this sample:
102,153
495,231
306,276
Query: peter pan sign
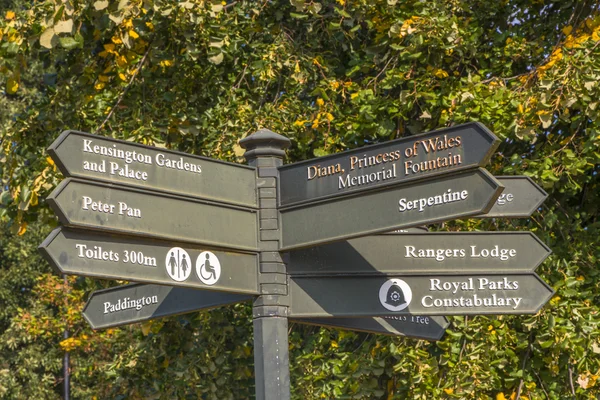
138,212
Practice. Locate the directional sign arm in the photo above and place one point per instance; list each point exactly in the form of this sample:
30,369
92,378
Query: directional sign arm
474,294
428,328
521,197
107,256
466,193
400,161
137,303
416,253
83,155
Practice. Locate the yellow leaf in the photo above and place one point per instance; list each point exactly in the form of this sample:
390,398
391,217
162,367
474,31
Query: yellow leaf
22,229
150,25
103,54
567,29
103,78
520,108
146,327
122,61
99,86
10,15
353,96
116,40
329,117
128,23
122,76
133,34
109,47
300,122
12,86
334,344
50,161
500,396
34,200
449,390
320,102
440,73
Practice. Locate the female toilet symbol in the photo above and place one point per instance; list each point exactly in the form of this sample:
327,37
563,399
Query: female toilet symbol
177,264
208,268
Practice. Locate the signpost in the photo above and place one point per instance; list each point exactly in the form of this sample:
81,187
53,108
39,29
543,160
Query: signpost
374,296
83,155
417,253
107,256
403,160
428,328
137,303
449,197
520,198
205,233
138,212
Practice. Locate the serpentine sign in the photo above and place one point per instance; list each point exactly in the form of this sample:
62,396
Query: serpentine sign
304,241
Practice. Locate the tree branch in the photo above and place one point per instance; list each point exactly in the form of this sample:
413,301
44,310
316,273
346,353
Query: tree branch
135,73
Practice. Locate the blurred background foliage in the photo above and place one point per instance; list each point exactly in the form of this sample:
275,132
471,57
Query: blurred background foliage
197,76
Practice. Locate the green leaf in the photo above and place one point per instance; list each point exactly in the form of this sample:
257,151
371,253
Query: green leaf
216,59
68,43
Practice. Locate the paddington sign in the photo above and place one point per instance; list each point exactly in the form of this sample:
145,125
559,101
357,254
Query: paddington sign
136,303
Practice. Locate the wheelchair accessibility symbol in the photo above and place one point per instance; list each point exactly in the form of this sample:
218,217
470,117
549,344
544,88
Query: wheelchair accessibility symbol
208,268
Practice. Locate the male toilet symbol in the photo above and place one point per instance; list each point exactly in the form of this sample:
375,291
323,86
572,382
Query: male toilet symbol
395,295
177,264
208,268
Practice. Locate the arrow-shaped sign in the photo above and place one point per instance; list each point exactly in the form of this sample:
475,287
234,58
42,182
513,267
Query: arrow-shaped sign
82,155
136,303
369,296
445,198
138,212
417,253
428,328
411,158
520,198
106,256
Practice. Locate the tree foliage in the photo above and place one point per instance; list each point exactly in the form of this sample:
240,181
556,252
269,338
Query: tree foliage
198,76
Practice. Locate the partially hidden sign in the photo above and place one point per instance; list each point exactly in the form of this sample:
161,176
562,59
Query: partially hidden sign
132,211
82,155
410,158
520,198
106,256
413,326
137,303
